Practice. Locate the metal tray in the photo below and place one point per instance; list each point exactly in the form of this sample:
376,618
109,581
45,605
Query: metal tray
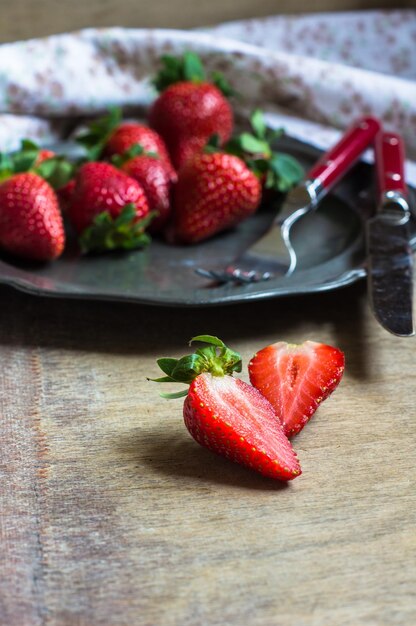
329,243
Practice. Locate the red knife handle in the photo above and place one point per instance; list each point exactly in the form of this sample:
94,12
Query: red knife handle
389,152
339,159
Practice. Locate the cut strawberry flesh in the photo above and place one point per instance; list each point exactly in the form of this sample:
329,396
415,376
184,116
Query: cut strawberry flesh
233,419
296,379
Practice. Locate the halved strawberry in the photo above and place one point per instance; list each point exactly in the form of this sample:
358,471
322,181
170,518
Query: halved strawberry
227,415
295,379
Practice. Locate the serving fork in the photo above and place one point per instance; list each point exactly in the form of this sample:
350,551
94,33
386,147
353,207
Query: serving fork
273,254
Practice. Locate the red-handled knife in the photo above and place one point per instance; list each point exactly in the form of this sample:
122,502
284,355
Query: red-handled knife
390,259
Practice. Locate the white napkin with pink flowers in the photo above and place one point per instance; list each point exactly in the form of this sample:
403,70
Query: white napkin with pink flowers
313,74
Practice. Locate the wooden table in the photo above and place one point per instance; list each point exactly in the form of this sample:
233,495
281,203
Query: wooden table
111,515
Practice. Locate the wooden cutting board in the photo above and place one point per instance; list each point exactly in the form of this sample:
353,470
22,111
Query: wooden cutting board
111,515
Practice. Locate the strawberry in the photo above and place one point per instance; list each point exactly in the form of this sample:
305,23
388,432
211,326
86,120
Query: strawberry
108,208
295,379
190,109
129,134
30,221
155,178
109,136
227,415
214,192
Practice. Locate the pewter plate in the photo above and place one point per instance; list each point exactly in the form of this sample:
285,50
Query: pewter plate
329,244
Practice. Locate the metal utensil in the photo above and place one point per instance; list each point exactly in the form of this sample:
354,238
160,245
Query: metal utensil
390,259
274,254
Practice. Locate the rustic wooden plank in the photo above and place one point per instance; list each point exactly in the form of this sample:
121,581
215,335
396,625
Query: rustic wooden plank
22,472
23,19
139,525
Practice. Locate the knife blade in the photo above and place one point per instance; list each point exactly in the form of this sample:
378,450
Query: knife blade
390,258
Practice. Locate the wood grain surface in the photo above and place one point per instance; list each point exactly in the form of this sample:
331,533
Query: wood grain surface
23,19
111,515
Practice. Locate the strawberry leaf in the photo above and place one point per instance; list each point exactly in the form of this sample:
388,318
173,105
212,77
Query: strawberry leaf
124,232
285,170
258,124
192,67
24,160
175,394
57,171
187,368
215,357
28,144
210,339
6,166
96,136
163,379
188,67
276,170
176,69
167,365
253,145
222,84
135,150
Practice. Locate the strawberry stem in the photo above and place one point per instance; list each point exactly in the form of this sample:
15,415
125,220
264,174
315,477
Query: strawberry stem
125,232
56,170
135,150
188,67
214,357
98,132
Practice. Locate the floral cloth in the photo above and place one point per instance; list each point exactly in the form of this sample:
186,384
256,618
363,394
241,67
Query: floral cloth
313,74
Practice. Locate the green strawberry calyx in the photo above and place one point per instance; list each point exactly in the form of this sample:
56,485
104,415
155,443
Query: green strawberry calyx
56,170
95,137
124,232
214,357
188,67
135,150
278,170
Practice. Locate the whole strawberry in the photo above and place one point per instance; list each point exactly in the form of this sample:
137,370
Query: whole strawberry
108,208
214,192
227,415
129,134
30,221
109,136
296,379
190,109
154,176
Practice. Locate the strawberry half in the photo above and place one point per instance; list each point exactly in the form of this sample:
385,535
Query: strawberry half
295,379
227,415
214,192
